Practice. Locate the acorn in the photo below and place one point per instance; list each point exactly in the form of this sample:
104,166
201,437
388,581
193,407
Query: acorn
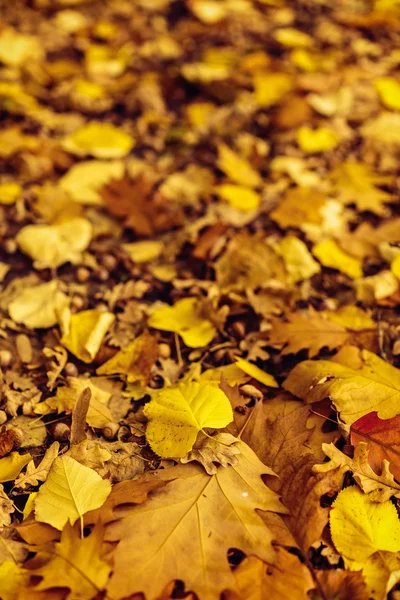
110,430
61,432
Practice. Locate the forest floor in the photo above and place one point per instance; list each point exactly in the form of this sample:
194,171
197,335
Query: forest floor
199,299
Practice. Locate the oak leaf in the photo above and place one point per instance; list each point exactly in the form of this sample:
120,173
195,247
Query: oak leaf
367,535
73,562
379,487
177,414
69,492
357,381
383,439
34,474
356,183
188,535
311,331
221,449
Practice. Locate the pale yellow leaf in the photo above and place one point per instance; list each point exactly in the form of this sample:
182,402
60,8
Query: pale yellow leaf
376,287
84,180
54,245
299,262
17,48
70,491
144,251
39,306
293,38
9,192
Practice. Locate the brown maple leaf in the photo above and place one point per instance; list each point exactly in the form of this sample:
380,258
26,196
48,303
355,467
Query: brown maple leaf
309,331
145,211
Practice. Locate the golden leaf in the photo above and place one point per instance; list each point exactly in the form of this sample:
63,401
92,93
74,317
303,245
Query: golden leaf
187,537
84,180
69,492
39,306
177,414
237,168
313,141
54,245
239,196
330,255
135,360
98,139
11,465
85,333
389,92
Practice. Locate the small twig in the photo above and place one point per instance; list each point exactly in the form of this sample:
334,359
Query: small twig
79,413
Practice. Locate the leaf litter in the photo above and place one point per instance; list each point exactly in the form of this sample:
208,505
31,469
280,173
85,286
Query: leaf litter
199,292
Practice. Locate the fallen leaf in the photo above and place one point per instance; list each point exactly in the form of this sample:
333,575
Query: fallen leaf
221,449
34,474
356,183
330,255
346,385
135,360
269,88
298,206
339,584
382,437
54,245
351,317
236,168
193,506
145,251
383,131
184,318
311,331
256,373
69,492
39,306
313,141
85,333
238,196
360,529
84,181
74,562
177,414
388,89
11,465
379,488
257,580
9,192
299,262
376,287
98,139
16,48
12,578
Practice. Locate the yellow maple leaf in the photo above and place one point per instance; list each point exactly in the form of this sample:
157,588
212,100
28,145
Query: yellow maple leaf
69,492
84,180
239,196
184,318
356,183
54,245
313,141
388,89
365,532
345,380
12,578
135,360
237,168
75,563
39,306
98,139
177,414
85,332
331,255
